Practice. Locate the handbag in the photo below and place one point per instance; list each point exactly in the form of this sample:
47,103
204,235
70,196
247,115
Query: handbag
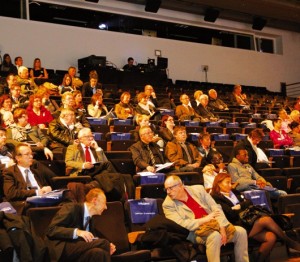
251,214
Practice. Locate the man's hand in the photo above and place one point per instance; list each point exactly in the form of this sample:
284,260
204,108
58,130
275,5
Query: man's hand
223,236
44,190
153,94
150,169
94,144
88,165
260,183
86,235
48,153
40,145
112,248
212,215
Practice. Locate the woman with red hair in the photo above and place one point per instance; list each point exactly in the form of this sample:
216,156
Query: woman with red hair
38,115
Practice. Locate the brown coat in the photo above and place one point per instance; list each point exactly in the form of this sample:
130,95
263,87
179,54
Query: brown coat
184,113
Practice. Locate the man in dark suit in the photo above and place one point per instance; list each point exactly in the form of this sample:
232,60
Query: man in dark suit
69,237
25,179
92,87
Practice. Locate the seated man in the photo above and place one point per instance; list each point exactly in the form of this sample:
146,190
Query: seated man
185,111
246,177
18,99
6,154
145,153
25,179
85,157
191,207
130,65
68,101
257,158
69,238
23,132
92,87
214,102
238,98
184,154
203,111
63,131
28,86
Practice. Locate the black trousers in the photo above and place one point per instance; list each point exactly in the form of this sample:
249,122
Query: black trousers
96,251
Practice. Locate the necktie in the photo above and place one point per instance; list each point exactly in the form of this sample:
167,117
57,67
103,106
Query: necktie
28,183
183,145
86,225
151,156
88,157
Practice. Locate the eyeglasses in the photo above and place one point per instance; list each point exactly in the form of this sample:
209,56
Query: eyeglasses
91,136
147,134
27,154
171,187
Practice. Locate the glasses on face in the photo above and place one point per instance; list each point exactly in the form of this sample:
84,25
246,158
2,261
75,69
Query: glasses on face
147,134
170,188
89,136
27,154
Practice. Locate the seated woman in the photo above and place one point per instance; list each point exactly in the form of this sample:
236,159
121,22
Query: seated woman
78,101
97,108
124,109
142,121
48,103
295,134
279,137
166,128
264,229
23,132
38,73
66,84
6,110
38,115
143,107
7,65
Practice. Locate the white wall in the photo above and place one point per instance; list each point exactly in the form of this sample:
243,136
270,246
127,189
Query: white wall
60,46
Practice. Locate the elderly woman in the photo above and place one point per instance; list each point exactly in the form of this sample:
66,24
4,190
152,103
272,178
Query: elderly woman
196,101
6,110
166,128
264,229
38,115
143,107
22,132
124,109
96,108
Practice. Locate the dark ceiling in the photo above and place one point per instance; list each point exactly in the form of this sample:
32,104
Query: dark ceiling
282,14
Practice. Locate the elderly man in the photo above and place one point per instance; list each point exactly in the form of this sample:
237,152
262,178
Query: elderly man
145,153
25,179
256,157
149,91
69,237
246,177
68,101
27,84
185,111
184,154
204,111
192,207
216,103
22,132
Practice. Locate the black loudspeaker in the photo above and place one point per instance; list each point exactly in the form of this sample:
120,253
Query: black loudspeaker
258,23
152,6
211,15
93,1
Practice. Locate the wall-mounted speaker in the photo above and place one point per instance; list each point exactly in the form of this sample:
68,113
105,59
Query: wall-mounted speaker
258,23
152,6
211,15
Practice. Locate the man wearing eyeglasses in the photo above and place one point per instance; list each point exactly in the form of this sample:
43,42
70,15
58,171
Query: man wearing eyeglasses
191,207
25,179
145,153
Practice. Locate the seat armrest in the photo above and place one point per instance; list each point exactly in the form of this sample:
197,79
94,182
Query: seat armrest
132,236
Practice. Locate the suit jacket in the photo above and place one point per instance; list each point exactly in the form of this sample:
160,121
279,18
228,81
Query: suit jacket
141,156
184,113
87,90
14,185
226,204
75,157
204,112
184,216
216,103
121,112
62,227
174,153
80,117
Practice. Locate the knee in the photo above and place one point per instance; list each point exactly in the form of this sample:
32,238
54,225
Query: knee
97,254
270,237
214,238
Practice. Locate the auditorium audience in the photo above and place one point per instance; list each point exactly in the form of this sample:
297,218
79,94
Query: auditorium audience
96,108
124,109
38,115
279,137
203,111
184,154
264,230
